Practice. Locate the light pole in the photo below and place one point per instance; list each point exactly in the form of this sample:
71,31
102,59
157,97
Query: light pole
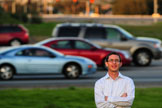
155,15
13,7
155,6
87,8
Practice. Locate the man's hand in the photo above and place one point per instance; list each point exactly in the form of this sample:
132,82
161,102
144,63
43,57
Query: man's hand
106,98
124,95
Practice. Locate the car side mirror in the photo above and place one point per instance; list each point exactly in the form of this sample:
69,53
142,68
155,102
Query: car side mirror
93,48
123,38
52,56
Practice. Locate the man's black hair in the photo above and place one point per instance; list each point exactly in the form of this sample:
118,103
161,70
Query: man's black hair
112,53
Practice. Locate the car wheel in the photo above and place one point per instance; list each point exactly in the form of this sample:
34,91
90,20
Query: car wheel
15,42
6,72
72,71
142,58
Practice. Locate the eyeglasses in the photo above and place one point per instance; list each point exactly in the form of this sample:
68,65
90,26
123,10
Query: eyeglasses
114,60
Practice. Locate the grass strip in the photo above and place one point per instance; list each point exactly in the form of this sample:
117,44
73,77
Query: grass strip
70,98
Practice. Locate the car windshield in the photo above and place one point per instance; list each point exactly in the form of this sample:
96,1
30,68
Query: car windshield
129,35
7,50
95,45
54,51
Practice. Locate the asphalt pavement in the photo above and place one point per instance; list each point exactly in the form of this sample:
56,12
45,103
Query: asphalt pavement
150,76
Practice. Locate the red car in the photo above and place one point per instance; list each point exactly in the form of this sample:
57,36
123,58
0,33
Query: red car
82,47
13,35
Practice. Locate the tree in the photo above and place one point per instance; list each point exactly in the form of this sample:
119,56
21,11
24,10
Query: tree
6,18
130,7
70,7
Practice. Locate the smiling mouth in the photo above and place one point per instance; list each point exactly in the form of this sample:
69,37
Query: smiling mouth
114,66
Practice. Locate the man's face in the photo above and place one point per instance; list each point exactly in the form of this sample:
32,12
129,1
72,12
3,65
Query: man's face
113,63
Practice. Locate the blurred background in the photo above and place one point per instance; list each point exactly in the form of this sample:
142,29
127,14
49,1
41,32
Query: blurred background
35,20
82,7
32,13
22,10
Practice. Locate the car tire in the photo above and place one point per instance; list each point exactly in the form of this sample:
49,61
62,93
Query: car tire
142,58
72,71
15,42
6,72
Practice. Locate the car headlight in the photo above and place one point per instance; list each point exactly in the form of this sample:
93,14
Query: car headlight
157,45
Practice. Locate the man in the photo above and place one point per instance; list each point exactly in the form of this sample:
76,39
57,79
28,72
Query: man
114,90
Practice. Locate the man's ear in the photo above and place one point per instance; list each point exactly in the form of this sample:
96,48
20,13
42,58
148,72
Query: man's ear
106,63
121,64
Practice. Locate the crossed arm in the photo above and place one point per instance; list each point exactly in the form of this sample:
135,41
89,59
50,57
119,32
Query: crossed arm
123,95
122,101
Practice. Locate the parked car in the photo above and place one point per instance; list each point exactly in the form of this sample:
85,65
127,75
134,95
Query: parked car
143,50
84,48
42,60
13,35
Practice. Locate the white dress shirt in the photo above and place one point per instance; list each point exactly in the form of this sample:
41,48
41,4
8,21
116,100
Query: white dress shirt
106,86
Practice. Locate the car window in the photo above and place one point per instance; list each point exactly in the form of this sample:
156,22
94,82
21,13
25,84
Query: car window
16,29
65,44
126,33
7,29
68,31
95,33
113,34
82,45
34,52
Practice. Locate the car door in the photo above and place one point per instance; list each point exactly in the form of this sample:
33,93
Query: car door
86,50
20,62
4,34
107,37
37,60
115,39
65,46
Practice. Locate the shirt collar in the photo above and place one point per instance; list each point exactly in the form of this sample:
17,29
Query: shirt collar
120,76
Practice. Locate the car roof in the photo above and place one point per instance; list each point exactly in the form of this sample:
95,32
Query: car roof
11,25
86,25
13,49
34,46
14,25
17,47
61,38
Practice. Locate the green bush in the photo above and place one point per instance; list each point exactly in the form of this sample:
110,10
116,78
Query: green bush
6,18
36,19
21,17
130,7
